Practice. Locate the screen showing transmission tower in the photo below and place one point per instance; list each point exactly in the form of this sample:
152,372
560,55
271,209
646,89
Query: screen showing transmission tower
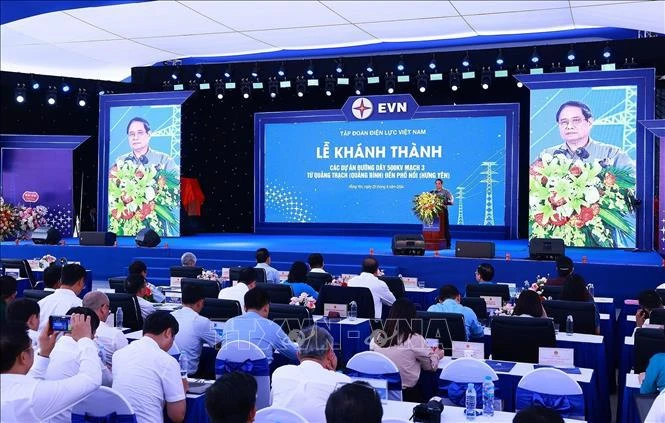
582,165
368,170
144,170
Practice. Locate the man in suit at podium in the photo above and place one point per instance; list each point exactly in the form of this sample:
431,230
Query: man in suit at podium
448,200
139,135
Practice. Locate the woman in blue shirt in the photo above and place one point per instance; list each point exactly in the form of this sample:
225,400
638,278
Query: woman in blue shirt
297,277
654,380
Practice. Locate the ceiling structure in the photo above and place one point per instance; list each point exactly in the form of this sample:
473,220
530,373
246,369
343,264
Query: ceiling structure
106,41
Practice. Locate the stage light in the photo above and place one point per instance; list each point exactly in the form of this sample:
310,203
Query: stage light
199,72
219,89
19,93
518,71
310,69
391,82
499,58
454,80
557,68
35,85
65,87
421,81
245,88
329,85
466,62
607,52
281,71
400,64
486,78
519,84
301,86
174,76
535,58
273,88
359,84
432,63
52,95
339,68
227,72
82,97
255,71
571,54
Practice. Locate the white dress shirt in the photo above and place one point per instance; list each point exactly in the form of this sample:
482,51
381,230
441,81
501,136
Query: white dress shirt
146,307
305,389
111,339
148,377
195,330
26,398
64,363
317,270
657,411
236,293
57,304
272,274
380,291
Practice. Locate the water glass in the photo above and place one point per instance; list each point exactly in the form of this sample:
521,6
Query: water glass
556,328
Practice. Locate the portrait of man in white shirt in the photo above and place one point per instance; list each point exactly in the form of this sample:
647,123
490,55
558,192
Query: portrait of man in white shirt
368,279
237,292
263,261
65,297
109,338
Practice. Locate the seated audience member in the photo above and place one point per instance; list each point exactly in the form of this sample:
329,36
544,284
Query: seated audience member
657,411
564,267
263,261
368,279
139,267
232,399
484,273
237,292
7,294
297,277
135,284
305,388
537,414
65,297
64,362
188,259
529,305
355,402
254,326
108,337
653,380
574,289
406,348
51,280
24,395
26,311
194,329
648,300
148,376
449,302
315,261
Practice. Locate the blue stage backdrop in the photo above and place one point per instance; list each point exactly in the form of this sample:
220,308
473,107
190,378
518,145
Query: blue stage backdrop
364,164
584,174
140,162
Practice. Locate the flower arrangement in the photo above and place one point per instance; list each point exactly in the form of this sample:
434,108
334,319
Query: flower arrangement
304,300
427,206
538,285
46,261
209,275
141,196
505,310
9,220
30,218
147,294
585,204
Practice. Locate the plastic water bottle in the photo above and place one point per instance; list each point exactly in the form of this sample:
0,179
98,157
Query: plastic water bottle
470,410
184,365
488,396
353,310
590,288
118,317
569,325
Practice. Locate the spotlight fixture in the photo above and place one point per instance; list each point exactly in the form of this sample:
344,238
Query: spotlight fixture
499,58
339,68
255,70
485,78
82,97
518,71
607,52
199,72
282,70
227,72
520,84
310,69
432,63
454,80
219,89
359,84
535,58
273,87
245,88
174,75
329,85
369,67
301,86
421,81
466,62
592,65
51,95
571,54
65,87
557,67
400,64
34,84
19,93
391,82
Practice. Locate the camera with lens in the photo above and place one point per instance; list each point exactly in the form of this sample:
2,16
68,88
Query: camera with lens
429,412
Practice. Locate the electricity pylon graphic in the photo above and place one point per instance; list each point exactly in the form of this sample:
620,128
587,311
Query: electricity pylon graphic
460,205
172,131
489,204
626,117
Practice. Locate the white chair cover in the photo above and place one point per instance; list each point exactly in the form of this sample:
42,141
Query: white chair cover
241,351
374,363
467,370
278,415
102,402
551,381
551,388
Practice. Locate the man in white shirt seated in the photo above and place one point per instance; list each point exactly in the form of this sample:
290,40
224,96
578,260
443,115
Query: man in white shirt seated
51,277
232,399
315,261
305,388
368,279
194,329
24,397
237,292
65,297
26,311
147,376
263,261
657,410
108,337
135,284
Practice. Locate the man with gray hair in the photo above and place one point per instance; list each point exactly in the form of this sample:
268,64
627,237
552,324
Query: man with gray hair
305,388
108,337
188,259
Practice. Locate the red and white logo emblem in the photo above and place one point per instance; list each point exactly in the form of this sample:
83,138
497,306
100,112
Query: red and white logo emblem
30,196
362,108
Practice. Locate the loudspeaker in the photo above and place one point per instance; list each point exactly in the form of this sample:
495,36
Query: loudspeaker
97,238
474,249
46,235
546,248
408,245
147,238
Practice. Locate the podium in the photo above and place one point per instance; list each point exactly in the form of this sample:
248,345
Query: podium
437,235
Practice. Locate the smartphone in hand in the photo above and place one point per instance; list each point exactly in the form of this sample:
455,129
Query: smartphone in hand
61,323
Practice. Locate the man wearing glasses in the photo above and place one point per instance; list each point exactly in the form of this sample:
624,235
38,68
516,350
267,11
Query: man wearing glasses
138,135
575,121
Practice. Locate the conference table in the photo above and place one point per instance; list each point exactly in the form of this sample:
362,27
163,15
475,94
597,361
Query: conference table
425,297
350,336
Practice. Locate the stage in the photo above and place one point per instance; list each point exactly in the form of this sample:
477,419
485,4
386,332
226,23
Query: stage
615,273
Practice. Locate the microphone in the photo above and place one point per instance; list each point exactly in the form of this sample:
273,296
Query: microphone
582,153
560,151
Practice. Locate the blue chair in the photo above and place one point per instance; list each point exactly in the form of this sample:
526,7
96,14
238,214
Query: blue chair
103,405
371,364
551,388
248,358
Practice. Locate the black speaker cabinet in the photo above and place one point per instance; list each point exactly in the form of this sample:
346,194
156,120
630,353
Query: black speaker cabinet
408,245
546,248
46,235
97,238
474,249
147,238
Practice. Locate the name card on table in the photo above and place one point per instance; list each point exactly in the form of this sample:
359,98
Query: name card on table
469,349
173,297
14,273
175,281
338,308
557,357
410,282
106,290
283,275
493,302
